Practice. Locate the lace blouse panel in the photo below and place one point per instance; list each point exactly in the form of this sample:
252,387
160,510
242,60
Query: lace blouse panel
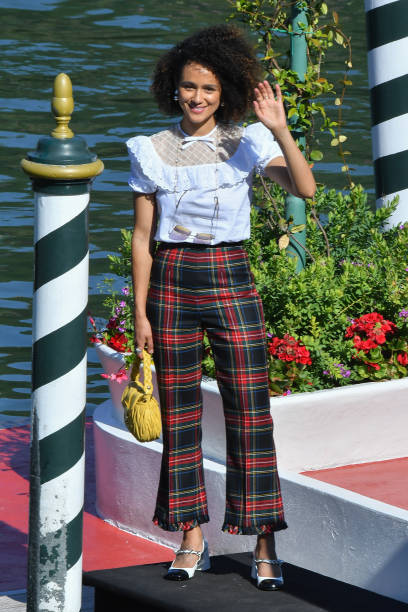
168,143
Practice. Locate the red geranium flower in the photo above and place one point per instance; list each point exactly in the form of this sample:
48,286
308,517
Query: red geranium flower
289,349
369,331
119,342
375,366
363,345
403,359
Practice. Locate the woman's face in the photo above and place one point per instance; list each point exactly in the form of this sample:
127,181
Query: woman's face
199,93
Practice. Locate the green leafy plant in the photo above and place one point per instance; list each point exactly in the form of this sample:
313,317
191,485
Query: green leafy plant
271,21
354,268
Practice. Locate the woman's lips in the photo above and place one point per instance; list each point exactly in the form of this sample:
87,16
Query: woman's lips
197,109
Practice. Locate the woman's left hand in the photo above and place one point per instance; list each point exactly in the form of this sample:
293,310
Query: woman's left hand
269,108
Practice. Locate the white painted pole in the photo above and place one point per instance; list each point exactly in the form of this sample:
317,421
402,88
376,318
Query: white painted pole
62,169
387,41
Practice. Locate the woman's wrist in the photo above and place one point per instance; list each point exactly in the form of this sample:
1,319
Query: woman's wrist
281,134
139,314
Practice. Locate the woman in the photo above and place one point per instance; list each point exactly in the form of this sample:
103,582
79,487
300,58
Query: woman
192,187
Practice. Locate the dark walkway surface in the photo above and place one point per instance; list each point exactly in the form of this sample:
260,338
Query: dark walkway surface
228,588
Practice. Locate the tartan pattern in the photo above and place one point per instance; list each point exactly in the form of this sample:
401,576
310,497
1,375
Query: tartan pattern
193,289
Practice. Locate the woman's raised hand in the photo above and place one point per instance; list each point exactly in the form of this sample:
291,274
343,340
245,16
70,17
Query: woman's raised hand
269,107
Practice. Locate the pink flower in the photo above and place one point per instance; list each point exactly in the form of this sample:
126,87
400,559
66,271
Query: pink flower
119,376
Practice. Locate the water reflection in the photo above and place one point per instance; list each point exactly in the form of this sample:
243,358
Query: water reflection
109,52
38,5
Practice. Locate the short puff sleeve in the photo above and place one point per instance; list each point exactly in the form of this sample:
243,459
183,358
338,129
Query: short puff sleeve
139,181
262,144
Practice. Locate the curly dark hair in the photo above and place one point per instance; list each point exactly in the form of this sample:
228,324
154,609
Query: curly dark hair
221,49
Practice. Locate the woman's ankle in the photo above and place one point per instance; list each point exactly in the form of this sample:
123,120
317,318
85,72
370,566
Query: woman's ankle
265,546
193,538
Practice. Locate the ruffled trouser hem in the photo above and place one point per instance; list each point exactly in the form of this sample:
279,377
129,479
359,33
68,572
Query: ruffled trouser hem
181,525
270,527
254,529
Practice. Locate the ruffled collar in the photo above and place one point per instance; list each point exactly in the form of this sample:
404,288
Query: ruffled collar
231,172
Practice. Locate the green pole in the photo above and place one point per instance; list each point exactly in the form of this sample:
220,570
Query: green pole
295,207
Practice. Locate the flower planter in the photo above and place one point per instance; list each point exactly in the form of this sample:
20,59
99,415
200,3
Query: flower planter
321,429
352,424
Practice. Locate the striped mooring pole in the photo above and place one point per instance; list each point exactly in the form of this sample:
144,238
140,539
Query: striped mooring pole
295,208
62,169
387,42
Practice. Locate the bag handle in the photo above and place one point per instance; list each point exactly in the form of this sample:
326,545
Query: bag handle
147,371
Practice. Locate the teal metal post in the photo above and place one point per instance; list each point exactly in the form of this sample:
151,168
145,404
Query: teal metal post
295,207
62,169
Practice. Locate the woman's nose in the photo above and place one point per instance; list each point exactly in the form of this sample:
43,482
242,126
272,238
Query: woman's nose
197,96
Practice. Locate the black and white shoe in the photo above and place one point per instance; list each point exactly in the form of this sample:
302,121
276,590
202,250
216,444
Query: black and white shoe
185,573
266,583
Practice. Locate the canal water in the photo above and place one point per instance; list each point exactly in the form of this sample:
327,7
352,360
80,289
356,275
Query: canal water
108,47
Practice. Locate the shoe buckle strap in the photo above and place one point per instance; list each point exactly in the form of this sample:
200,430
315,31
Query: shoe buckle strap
185,551
270,561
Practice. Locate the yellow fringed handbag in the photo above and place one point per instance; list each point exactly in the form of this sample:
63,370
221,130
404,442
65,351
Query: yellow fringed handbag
142,413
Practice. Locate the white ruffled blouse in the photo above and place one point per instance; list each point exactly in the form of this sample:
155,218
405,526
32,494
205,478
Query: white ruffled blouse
202,184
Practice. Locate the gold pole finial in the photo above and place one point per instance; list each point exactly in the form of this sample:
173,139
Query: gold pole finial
62,106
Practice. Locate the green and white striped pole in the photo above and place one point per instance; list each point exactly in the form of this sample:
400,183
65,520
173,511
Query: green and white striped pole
387,42
62,169
295,208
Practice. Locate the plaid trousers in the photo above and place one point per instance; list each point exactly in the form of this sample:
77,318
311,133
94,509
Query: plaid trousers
211,288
